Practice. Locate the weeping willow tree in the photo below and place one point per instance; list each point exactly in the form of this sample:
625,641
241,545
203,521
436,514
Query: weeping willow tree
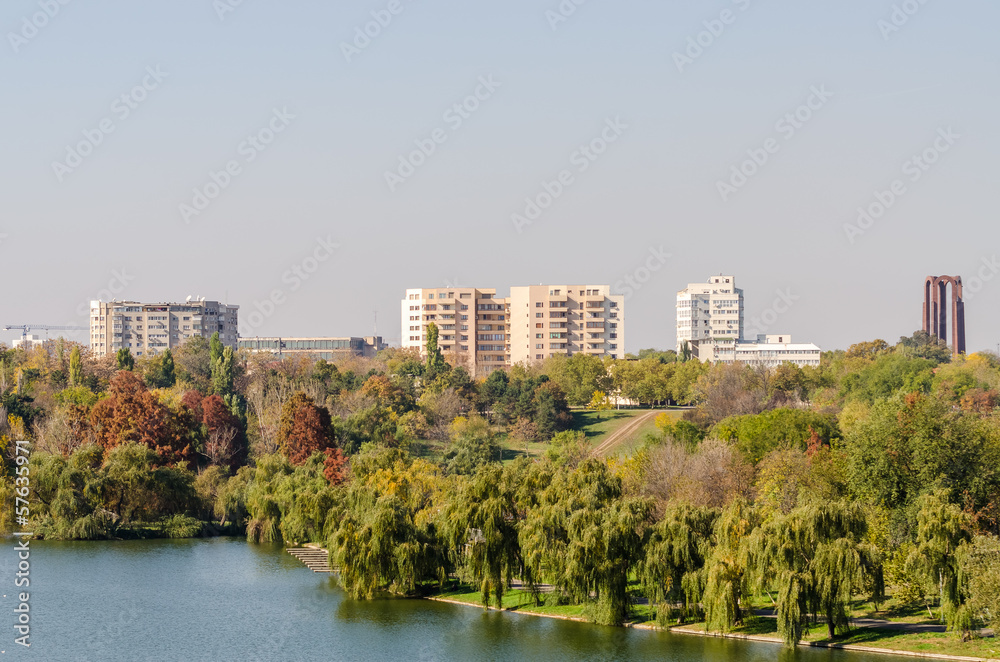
725,570
942,534
816,557
379,548
284,503
672,571
584,538
480,526
264,513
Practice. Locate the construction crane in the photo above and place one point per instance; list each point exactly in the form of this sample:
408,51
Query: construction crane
42,327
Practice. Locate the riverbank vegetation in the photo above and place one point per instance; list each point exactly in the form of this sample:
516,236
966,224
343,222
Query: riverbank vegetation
872,479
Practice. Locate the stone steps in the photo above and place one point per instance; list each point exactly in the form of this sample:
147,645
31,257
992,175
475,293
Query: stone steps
316,559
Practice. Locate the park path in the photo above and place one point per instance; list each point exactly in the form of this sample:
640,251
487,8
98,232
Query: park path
623,433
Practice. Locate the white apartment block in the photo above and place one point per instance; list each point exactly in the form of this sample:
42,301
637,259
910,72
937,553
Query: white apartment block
709,310
472,326
150,328
770,351
546,320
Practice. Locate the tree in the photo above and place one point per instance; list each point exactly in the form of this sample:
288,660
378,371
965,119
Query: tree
674,565
435,360
942,532
130,413
817,558
311,432
75,367
473,445
480,526
223,370
980,569
725,569
125,359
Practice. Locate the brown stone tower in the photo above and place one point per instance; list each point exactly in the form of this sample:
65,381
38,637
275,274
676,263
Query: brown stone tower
936,310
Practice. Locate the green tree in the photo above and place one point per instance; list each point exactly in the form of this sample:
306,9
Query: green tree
480,525
673,570
942,532
435,360
817,558
223,371
125,359
75,367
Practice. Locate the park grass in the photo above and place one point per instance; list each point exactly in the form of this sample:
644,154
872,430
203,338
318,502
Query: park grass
943,643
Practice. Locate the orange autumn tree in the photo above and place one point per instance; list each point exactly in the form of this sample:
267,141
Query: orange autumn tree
131,413
306,429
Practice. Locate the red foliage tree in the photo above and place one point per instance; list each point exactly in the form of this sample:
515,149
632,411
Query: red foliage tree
131,413
311,432
335,467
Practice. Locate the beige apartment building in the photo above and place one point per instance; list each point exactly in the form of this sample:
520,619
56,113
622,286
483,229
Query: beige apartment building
546,320
472,326
150,328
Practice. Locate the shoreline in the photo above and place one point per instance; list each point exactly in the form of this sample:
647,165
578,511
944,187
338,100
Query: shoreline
733,635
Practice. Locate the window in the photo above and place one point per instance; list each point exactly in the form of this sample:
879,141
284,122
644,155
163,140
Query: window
539,326
539,304
539,314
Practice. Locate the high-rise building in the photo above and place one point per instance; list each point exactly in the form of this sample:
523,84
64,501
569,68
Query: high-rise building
472,326
150,328
709,310
546,320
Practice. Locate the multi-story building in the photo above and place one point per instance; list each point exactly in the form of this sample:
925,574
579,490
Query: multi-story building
472,325
709,310
150,328
319,348
546,320
769,350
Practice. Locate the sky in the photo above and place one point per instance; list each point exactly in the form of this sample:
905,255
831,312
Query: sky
310,161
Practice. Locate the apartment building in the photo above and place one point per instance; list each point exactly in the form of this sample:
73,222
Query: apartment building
546,320
317,348
150,328
472,325
769,350
709,310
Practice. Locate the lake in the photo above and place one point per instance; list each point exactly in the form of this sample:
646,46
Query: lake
224,599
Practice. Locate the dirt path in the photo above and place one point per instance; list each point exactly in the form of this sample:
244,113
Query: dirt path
623,433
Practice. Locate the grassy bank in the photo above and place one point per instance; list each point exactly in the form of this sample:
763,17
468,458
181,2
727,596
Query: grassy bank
888,638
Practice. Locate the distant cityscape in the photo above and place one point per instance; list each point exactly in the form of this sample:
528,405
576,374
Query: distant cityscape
484,332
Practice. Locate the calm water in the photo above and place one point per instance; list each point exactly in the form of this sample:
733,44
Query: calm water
223,599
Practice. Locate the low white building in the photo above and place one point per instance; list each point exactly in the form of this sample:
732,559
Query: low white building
768,350
28,342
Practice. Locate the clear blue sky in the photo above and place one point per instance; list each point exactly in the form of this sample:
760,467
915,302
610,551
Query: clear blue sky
656,186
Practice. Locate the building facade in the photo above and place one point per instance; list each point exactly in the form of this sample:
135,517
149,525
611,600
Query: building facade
769,350
472,326
319,348
546,320
709,310
150,328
